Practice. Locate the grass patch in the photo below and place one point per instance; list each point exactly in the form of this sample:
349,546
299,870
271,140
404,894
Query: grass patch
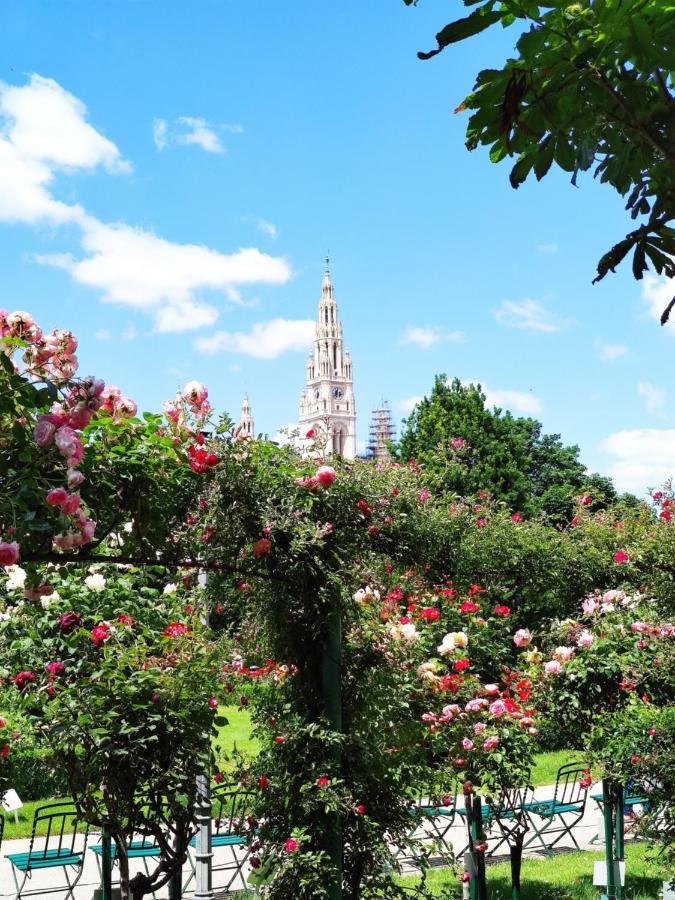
546,765
568,876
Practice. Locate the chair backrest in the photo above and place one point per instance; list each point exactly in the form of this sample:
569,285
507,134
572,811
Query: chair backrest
56,824
231,806
511,802
141,841
569,784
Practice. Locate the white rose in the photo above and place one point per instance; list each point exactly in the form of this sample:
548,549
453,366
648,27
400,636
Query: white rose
170,588
95,582
17,578
451,641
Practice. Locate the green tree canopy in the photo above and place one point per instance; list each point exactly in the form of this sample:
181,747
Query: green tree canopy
473,448
590,87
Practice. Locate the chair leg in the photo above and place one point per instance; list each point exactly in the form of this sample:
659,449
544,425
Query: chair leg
16,882
193,872
537,836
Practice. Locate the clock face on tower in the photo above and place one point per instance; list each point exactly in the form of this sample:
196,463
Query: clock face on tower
338,393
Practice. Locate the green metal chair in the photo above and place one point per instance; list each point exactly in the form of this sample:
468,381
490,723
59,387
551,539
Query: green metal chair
231,806
60,822
563,812
139,847
503,811
432,819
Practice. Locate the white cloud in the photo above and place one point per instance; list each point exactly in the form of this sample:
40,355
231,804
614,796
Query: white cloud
43,129
268,228
610,352
266,340
644,458
191,131
547,249
527,314
427,337
159,131
129,333
657,292
654,397
103,334
46,123
406,406
523,402
136,268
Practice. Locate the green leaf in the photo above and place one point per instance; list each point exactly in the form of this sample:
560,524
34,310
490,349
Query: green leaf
564,154
462,29
521,170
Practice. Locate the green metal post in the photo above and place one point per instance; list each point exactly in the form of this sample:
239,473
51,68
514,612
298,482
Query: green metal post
332,696
481,884
516,865
106,862
608,809
618,837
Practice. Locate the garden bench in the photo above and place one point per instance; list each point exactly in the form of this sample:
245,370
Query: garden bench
563,812
140,848
60,821
629,801
231,806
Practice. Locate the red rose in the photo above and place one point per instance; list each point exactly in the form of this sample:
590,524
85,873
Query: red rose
69,622
175,629
322,782
263,782
360,809
218,777
503,611
22,679
461,664
100,634
261,547
290,845
468,607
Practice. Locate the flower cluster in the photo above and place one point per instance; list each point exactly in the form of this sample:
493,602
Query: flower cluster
322,478
48,357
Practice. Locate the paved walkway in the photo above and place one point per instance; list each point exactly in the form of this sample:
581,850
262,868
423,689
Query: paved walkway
49,880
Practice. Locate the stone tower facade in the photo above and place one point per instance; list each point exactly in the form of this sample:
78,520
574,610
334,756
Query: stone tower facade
327,401
246,426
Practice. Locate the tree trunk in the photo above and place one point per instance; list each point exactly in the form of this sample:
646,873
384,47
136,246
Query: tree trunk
123,860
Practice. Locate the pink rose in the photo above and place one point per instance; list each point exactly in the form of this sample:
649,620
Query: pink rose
590,605
498,708
56,497
195,393
620,556
479,727
522,637
71,504
44,431
325,475
585,639
553,667
75,478
9,553
467,743
424,495
491,689
490,743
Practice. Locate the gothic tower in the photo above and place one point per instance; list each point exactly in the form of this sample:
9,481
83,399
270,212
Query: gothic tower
327,401
246,428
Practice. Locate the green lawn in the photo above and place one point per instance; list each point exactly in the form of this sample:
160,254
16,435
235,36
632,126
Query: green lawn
568,876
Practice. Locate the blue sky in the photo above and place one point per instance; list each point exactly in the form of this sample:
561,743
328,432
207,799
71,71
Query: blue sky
172,175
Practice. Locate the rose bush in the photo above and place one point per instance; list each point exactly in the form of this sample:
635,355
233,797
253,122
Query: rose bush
116,678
